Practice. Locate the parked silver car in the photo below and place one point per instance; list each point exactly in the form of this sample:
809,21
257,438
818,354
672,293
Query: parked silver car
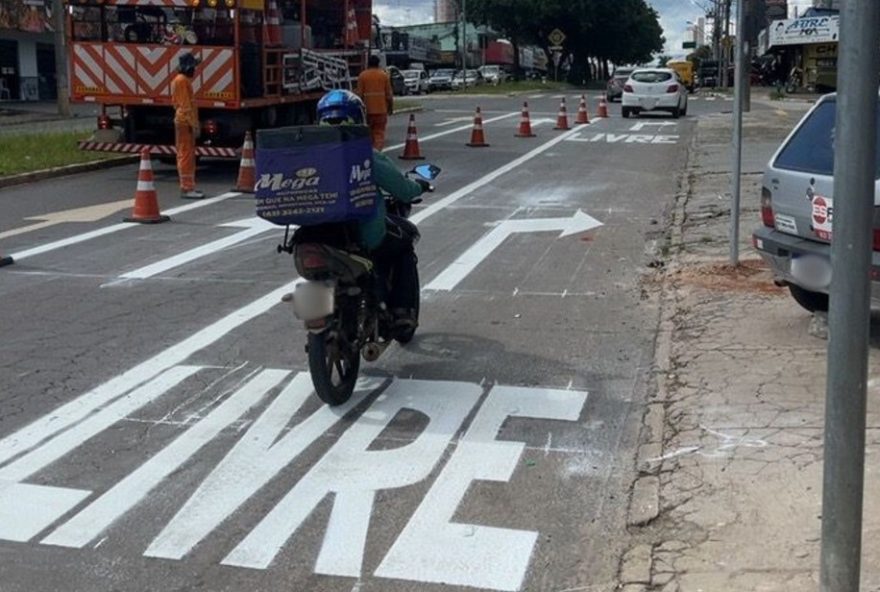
615,84
797,209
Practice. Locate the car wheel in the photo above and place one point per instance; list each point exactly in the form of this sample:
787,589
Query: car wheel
811,301
676,113
625,111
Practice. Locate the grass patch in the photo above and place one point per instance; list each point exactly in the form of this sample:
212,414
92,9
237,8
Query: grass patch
522,86
26,153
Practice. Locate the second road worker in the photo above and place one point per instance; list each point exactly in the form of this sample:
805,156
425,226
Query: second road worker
374,87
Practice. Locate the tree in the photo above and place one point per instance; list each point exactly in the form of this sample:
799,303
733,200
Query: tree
621,32
662,60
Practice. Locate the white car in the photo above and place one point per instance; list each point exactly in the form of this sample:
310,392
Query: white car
474,78
416,81
493,74
654,89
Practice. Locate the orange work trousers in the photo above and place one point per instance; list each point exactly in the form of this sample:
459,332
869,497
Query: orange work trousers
377,124
185,142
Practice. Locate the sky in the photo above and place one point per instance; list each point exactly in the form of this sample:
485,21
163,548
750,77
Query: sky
674,15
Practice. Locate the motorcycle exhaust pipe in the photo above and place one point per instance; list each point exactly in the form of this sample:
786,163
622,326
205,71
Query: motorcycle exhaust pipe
373,351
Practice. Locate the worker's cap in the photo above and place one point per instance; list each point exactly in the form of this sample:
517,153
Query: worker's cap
188,61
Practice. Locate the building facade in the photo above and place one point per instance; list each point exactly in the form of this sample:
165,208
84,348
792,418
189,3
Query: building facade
27,51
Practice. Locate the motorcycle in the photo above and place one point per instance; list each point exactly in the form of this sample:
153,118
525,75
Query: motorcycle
339,300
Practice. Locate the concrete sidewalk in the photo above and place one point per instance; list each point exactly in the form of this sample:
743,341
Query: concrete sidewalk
732,448
38,117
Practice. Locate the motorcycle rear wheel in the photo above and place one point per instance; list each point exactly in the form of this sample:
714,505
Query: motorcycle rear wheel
404,337
334,367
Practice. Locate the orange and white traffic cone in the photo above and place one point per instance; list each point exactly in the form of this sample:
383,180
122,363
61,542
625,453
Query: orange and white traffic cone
146,202
412,151
583,117
247,171
272,24
6,261
562,118
525,124
478,136
602,111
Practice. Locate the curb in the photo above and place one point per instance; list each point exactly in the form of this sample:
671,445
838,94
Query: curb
63,171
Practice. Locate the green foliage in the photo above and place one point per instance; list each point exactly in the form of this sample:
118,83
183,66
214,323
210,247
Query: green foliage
662,60
623,31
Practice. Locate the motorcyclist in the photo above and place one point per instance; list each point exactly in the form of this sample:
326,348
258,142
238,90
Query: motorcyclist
384,237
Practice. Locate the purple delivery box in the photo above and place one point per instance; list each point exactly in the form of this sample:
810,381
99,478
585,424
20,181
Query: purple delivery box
310,175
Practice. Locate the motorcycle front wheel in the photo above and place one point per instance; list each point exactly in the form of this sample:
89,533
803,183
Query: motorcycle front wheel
334,363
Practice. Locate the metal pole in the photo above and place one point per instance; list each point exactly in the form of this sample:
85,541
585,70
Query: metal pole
850,318
464,44
59,19
747,55
736,188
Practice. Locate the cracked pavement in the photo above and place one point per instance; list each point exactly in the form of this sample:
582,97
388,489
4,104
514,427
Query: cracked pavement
740,398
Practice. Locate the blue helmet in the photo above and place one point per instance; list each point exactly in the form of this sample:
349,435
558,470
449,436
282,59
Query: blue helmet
341,107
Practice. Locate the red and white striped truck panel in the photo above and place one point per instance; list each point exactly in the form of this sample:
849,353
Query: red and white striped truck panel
159,150
142,74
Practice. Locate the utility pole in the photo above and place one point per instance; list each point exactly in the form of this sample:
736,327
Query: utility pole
746,32
59,20
850,315
725,45
464,80
740,87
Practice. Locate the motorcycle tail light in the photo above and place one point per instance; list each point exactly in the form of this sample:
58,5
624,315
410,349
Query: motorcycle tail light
627,88
672,88
767,216
310,259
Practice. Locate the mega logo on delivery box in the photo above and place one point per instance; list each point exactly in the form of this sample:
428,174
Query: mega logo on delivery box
309,175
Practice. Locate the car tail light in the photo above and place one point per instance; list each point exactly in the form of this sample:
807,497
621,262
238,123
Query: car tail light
104,122
627,88
672,88
767,210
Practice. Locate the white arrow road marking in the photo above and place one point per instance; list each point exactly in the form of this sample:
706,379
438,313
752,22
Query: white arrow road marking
81,238
452,120
253,226
643,124
464,265
86,214
453,130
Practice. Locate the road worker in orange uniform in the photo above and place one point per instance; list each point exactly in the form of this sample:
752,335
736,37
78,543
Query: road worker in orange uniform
374,87
186,125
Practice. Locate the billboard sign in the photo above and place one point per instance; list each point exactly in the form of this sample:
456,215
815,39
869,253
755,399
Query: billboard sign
801,31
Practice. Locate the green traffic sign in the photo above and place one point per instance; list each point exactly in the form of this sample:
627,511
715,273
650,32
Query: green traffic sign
689,45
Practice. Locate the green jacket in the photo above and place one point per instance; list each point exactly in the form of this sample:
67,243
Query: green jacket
390,180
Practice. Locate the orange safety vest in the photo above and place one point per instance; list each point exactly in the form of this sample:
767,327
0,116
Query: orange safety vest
183,98
374,87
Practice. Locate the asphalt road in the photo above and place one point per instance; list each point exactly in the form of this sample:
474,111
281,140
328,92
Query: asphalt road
157,427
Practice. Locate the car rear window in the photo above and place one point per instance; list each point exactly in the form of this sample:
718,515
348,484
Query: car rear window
811,149
652,76
622,73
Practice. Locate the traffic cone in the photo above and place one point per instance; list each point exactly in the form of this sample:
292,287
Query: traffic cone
411,151
562,118
272,24
583,117
478,136
146,202
602,111
247,172
525,124
6,261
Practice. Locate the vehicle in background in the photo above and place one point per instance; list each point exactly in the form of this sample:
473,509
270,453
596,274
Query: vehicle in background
614,89
441,80
398,82
797,210
473,79
416,81
123,55
493,74
654,89
685,70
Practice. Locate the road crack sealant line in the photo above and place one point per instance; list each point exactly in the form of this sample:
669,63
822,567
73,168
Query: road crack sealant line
73,412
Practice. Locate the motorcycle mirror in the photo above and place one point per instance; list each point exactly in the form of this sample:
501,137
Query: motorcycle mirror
427,171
